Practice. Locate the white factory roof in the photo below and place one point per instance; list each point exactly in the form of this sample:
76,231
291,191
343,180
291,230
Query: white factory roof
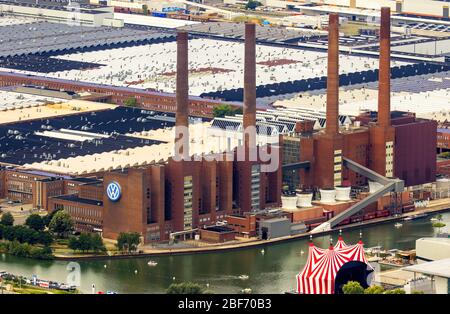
132,157
152,20
427,95
215,65
440,268
7,20
11,100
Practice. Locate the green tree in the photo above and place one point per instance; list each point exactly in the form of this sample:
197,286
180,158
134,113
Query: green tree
130,102
35,222
185,288
97,244
7,219
61,223
84,242
353,287
374,290
395,291
145,9
128,241
87,242
439,225
252,5
24,234
45,238
74,244
8,233
48,218
223,110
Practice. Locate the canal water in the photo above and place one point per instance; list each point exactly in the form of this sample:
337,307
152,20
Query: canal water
270,272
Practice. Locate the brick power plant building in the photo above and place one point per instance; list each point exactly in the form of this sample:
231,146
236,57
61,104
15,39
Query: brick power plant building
170,197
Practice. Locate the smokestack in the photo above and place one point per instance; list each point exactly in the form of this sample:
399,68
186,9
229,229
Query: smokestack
182,96
333,75
249,111
384,88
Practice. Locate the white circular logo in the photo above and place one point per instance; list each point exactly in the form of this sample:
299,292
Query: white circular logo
113,191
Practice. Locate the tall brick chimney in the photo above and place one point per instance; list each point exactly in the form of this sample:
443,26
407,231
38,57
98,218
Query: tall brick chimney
384,88
332,126
182,95
328,145
382,134
249,111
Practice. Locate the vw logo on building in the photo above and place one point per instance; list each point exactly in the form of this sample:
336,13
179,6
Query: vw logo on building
113,191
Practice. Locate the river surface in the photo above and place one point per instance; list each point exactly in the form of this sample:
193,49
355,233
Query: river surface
270,272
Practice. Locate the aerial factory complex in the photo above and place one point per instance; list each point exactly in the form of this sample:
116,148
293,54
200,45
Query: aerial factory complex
296,119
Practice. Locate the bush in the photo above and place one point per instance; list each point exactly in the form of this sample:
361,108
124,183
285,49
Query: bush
223,110
130,102
7,219
374,290
185,288
353,287
395,291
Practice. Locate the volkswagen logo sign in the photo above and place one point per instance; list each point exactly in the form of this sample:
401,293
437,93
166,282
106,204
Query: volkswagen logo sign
113,191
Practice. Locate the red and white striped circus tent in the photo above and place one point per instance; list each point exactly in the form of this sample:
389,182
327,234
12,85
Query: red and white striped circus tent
319,274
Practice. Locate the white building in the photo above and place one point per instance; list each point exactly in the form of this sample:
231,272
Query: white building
439,271
432,249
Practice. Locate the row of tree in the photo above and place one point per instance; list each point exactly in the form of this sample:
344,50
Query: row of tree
87,242
26,250
23,234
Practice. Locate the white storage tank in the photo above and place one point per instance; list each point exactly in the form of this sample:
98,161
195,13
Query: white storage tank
304,199
289,202
327,196
343,193
374,186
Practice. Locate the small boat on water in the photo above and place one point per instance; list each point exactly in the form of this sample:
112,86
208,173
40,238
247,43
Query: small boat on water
398,225
408,218
246,290
243,277
152,263
434,219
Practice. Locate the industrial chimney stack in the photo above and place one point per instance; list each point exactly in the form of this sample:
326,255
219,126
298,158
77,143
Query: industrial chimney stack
382,134
332,126
182,97
249,111
384,89
329,144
